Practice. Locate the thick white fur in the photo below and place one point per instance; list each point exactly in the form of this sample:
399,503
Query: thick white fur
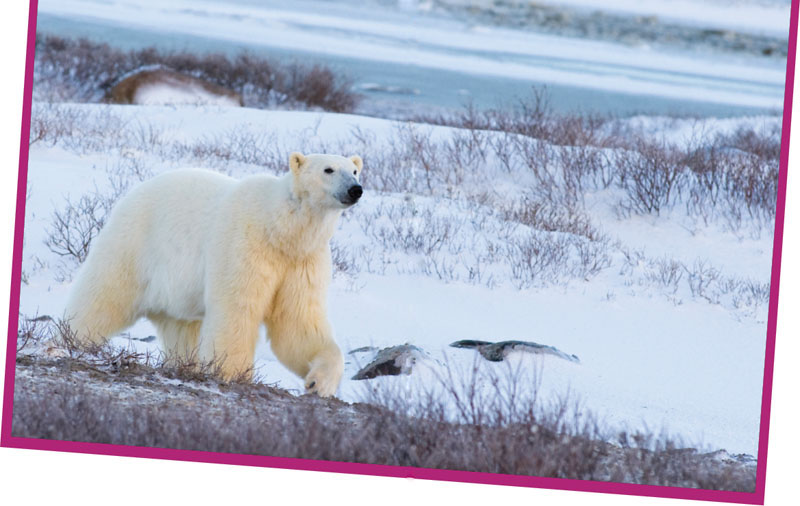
208,259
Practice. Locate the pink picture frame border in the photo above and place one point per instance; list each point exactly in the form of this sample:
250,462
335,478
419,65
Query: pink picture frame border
757,497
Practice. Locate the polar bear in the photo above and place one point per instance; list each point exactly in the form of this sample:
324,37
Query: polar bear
209,259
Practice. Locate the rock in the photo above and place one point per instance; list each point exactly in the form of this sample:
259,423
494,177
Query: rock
391,361
148,339
497,352
43,318
725,457
159,85
469,343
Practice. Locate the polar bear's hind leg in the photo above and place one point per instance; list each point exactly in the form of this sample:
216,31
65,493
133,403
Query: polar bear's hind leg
178,337
103,301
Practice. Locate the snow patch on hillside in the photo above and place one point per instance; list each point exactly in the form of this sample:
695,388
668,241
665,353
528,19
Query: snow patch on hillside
649,356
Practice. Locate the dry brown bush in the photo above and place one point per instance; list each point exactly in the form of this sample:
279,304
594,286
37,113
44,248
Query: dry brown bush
473,422
84,71
651,174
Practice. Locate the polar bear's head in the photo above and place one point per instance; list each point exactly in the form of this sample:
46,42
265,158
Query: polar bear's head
329,181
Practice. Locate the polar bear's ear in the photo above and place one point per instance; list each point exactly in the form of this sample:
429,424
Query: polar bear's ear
357,162
296,160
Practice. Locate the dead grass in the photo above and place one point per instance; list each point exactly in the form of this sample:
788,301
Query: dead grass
467,421
699,279
730,178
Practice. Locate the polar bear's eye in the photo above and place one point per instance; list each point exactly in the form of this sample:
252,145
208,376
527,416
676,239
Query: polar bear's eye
354,172
329,171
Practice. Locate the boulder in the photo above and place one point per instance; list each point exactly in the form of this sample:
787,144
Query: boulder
160,86
497,352
392,361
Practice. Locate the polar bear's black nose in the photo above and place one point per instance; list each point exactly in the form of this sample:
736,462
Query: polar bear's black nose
355,192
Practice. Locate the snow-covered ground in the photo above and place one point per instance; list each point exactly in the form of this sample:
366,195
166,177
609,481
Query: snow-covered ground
669,327
651,354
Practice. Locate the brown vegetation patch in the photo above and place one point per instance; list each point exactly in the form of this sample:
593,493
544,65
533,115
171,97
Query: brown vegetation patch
116,397
84,71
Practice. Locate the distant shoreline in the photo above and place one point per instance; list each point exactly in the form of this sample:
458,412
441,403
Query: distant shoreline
616,27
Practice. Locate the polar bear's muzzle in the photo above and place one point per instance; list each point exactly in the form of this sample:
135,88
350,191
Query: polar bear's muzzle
353,194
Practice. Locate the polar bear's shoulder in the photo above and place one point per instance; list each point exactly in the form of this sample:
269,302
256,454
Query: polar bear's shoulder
184,182
190,187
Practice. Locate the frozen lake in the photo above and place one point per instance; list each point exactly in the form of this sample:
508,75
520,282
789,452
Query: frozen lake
404,62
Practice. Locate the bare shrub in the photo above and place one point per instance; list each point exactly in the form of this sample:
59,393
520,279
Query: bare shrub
31,331
78,222
121,176
544,215
707,167
536,258
650,174
414,159
728,178
764,143
734,178
666,272
749,293
78,130
414,230
539,158
503,147
75,225
738,293
700,278
585,166
235,146
632,260
751,183
344,261
50,122
530,116
421,154
318,86
81,70
58,338
439,267
191,368
408,161
592,257
563,172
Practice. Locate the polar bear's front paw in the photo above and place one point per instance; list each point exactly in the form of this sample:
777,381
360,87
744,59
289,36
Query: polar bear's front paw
325,375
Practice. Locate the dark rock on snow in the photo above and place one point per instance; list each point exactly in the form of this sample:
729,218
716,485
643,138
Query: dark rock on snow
148,339
469,343
391,361
496,352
